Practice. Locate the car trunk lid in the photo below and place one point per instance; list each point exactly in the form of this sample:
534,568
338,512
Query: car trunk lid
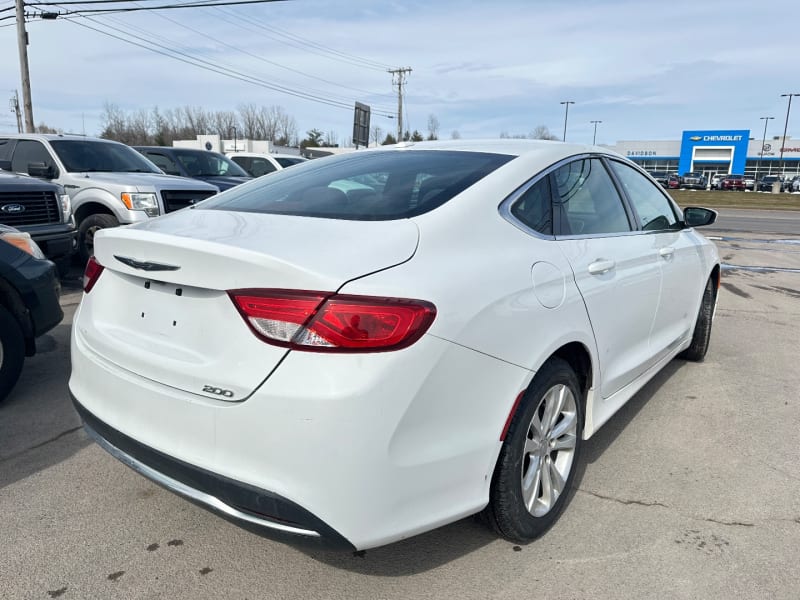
161,307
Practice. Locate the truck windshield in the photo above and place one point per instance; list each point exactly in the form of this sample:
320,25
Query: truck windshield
83,156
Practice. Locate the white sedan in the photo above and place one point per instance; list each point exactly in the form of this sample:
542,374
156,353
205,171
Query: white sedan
365,347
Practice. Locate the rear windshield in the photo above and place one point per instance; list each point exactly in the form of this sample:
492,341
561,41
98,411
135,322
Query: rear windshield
363,186
288,162
199,163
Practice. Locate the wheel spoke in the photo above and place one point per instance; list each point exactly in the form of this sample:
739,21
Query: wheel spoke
566,425
531,446
565,442
557,482
530,483
547,487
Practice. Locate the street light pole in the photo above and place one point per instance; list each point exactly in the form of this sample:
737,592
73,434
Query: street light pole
786,126
566,104
763,141
22,44
594,136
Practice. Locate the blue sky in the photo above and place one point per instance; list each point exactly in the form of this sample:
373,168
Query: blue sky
648,70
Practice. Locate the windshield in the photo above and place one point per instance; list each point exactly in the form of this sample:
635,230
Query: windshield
199,163
363,186
85,156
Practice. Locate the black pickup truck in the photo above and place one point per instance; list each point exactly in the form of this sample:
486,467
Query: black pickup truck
41,209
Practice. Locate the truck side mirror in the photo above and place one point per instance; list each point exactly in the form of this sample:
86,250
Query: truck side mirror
41,170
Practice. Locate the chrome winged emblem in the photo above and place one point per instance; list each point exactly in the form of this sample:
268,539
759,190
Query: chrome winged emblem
144,265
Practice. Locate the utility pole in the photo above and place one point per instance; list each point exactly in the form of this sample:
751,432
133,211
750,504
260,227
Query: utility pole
786,127
398,79
16,111
594,136
566,104
763,141
22,42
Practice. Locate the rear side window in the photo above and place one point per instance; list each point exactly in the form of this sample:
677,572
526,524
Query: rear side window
534,208
163,162
363,186
588,201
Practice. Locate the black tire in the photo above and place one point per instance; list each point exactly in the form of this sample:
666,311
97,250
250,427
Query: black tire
507,512
88,228
12,352
702,329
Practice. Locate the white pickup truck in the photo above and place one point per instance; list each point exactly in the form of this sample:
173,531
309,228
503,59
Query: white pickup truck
108,183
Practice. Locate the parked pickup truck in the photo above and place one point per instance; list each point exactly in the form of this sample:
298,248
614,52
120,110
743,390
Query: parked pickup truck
695,181
41,209
108,183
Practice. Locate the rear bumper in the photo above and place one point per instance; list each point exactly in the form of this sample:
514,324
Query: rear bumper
257,510
361,449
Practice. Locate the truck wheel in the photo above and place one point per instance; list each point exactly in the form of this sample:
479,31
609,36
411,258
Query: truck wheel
88,227
12,352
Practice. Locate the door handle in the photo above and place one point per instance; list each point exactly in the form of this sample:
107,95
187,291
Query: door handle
667,252
601,266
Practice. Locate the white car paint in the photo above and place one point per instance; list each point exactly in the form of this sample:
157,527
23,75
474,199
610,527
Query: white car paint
378,445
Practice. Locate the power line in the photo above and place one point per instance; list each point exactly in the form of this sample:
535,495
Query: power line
260,58
215,68
312,47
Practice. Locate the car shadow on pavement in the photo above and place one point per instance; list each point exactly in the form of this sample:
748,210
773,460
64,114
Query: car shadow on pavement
608,433
38,426
415,555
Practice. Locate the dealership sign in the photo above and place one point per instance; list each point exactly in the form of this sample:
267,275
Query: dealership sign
722,147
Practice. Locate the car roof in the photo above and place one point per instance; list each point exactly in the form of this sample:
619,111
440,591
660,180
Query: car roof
57,136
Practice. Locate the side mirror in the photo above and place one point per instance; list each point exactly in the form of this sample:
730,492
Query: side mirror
5,165
41,170
694,216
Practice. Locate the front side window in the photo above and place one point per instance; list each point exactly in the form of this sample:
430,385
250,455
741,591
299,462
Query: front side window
587,199
654,209
30,151
363,186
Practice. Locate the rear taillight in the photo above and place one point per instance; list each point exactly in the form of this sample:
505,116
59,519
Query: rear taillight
91,274
326,322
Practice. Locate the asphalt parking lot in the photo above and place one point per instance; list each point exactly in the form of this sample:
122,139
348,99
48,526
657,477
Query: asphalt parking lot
691,491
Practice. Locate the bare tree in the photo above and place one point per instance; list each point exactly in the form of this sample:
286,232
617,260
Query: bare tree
249,115
375,134
455,135
541,132
433,127
331,139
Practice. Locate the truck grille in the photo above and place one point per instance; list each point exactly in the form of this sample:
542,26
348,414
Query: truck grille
178,199
29,208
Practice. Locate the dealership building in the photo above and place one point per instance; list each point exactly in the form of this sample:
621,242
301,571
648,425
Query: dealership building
712,152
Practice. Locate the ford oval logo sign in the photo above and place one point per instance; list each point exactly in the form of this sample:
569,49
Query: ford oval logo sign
12,209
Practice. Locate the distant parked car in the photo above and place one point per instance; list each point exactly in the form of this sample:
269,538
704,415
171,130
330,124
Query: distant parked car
29,306
793,185
716,180
257,165
211,167
749,182
673,182
695,181
661,177
733,182
767,183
